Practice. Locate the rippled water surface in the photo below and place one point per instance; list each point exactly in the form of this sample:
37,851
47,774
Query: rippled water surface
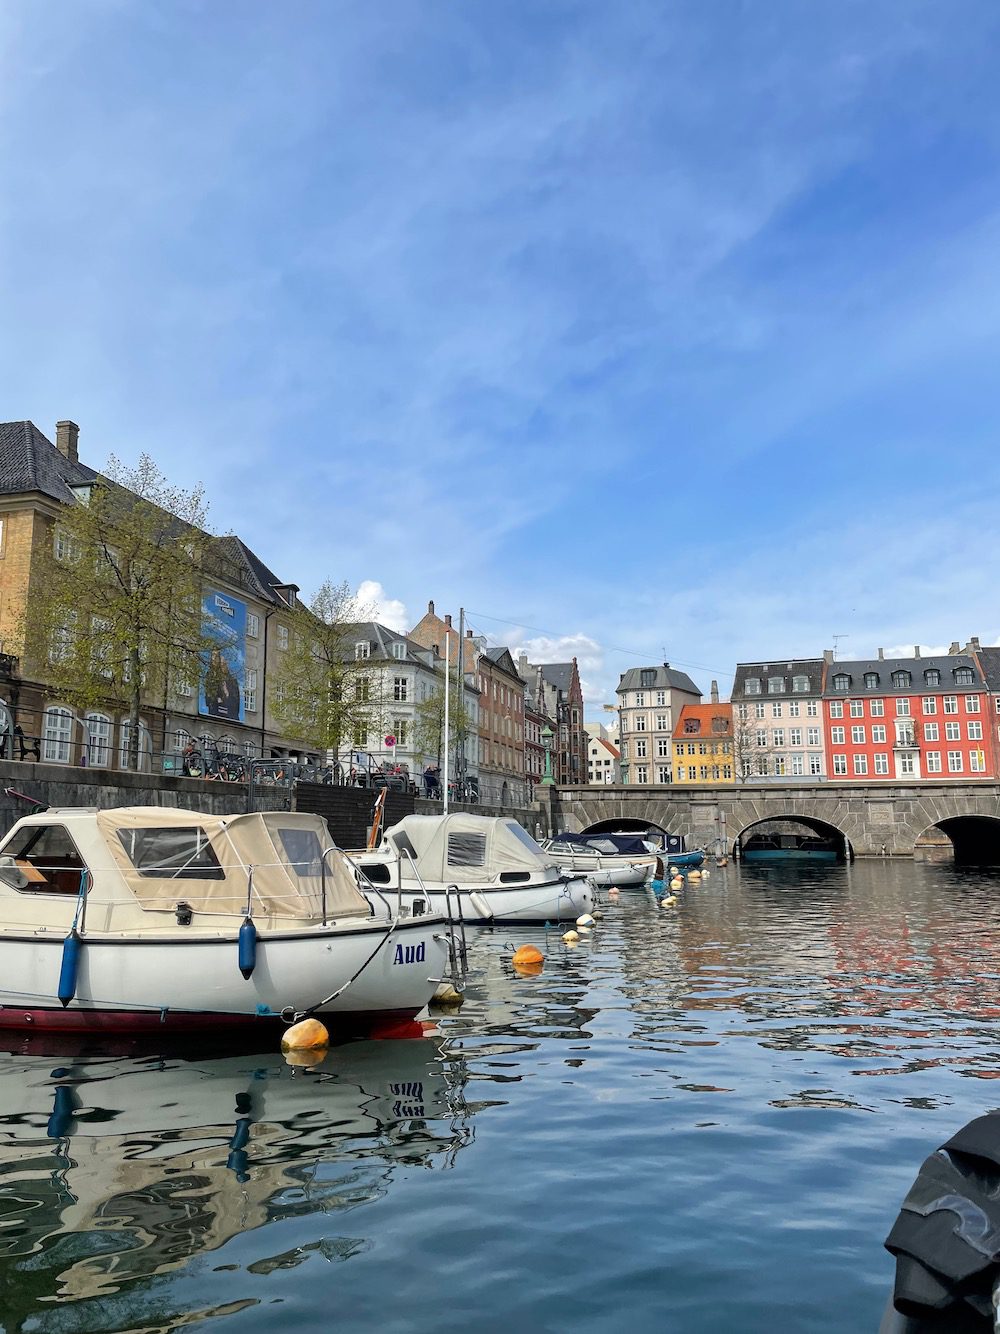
698,1120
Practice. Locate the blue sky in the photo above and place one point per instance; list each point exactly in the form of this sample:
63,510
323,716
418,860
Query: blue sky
631,328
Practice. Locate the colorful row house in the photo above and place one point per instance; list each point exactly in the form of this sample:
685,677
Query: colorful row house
703,750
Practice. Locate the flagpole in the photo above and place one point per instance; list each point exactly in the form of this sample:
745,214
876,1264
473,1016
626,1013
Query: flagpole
447,678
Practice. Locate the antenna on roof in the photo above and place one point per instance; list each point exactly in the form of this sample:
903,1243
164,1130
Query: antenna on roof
836,639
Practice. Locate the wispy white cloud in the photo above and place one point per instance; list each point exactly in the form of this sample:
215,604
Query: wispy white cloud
387,611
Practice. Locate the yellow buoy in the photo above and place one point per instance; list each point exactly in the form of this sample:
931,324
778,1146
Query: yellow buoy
585,919
446,994
571,937
669,901
309,1035
694,874
677,883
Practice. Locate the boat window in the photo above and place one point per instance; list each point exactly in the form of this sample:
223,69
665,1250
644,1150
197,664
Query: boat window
521,835
514,877
171,853
466,849
376,872
42,859
302,848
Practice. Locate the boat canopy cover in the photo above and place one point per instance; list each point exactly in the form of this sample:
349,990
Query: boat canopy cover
625,844
465,849
166,855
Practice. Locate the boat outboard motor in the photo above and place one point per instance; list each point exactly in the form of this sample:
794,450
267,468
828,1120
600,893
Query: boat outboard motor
946,1239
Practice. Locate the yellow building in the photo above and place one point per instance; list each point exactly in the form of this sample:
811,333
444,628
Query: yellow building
703,745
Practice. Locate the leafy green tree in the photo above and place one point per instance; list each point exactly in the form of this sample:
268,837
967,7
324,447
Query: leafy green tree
325,694
115,616
428,731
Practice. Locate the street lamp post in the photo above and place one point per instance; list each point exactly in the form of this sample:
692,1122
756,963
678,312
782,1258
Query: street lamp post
547,779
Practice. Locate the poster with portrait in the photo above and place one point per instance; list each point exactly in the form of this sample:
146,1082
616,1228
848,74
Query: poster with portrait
224,623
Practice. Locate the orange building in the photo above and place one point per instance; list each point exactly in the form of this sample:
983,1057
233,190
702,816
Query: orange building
703,744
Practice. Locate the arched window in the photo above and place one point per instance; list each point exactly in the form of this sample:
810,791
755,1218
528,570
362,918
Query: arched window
871,680
932,677
181,737
842,681
57,735
901,680
145,745
98,729
964,676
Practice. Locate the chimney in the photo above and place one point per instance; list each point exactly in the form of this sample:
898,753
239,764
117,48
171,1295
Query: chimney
881,655
916,650
430,609
67,438
828,655
974,642
953,649
715,692
447,621
468,634
522,662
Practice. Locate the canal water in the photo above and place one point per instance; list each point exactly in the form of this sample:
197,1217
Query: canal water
697,1120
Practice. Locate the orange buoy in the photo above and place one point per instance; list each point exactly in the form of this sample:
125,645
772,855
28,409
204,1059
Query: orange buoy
305,1036
528,961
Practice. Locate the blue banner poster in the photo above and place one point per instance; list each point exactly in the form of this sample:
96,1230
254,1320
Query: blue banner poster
224,621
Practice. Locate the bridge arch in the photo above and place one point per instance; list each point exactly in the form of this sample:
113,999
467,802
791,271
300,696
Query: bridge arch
623,825
793,823
968,839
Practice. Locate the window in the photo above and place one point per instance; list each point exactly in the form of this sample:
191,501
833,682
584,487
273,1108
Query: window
929,704
742,712
362,649
691,748
795,736
815,764
362,689
931,732
954,761
793,708
902,708
905,766
841,681
641,774
877,708
812,708
253,625
858,736
881,763
753,685
812,736
702,748
640,700
972,704
640,724
399,649
703,772
61,642
860,764
933,758
56,866
283,637
640,748
800,684
181,737
932,677
977,762
776,710
727,771
836,709
57,735
681,771
901,680
775,685
837,736
184,853
798,768
662,747
964,676
779,766
761,737
778,736
758,709
840,765
857,708
145,744
871,680
952,732
975,731
661,722
98,729
67,547
399,688
951,704
878,734
466,849
360,738
662,774
647,676
250,690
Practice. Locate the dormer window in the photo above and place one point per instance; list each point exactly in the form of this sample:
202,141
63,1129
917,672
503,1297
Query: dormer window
871,680
842,681
399,649
800,684
932,677
901,680
753,685
775,685
361,650
963,676
692,726
647,676
719,725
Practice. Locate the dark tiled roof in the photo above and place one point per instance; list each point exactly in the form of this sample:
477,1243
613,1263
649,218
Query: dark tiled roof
558,674
946,665
667,678
29,461
501,657
765,672
989,659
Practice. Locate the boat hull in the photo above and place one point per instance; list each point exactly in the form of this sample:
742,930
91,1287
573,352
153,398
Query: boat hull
789,855
554,901
140,985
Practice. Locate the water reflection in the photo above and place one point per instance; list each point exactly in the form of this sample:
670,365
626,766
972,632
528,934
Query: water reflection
116,1169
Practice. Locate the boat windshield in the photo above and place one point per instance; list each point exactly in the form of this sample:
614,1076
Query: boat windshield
522,835
172,853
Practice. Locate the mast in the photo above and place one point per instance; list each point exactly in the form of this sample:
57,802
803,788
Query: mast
447,680
460,756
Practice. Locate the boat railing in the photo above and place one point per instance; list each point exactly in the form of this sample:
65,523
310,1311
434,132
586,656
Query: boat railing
361,874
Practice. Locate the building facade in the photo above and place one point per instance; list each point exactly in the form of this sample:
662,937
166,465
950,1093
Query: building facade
778,728
703,745
649,702
558,693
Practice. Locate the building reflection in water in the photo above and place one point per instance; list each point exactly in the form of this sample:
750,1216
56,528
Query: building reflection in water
116,1169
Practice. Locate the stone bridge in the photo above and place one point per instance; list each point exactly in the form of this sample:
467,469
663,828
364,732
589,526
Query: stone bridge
874,819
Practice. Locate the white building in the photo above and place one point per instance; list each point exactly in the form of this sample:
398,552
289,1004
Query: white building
649,701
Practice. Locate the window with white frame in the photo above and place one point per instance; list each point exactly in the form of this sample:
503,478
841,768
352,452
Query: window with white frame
640,722
742,712
181,737
681,771
972,704
800,684
762,766
640,700
399,649
776,709
877,708
929,704
399,730
812,736
778,736
793,708
253,624
758,709
857,708
860,764
902,708
62,638
400,685
952,732
67,547
362,649
964,676
775,685
57,735
858,735
250,690
662,746
901,680
761,737
878,734
124,738
975,731
641,773
795,736
906,768
836,708
933,760
753,685
840,765
662,774
640,748
837,736
977,762
881,763
931,731
815,765
812,708
954,761
779,766
661,722
798,765
661,698
98,730
951,704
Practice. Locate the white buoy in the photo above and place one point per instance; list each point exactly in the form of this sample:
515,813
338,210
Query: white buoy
446,994
585,919
571,937
694,874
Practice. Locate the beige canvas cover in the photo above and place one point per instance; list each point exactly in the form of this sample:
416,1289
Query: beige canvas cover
283,849
439,846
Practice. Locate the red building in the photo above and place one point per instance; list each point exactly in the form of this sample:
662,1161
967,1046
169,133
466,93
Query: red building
904,719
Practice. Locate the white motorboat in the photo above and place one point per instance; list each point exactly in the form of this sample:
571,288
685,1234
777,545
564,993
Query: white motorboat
602,862
144,918
488,865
